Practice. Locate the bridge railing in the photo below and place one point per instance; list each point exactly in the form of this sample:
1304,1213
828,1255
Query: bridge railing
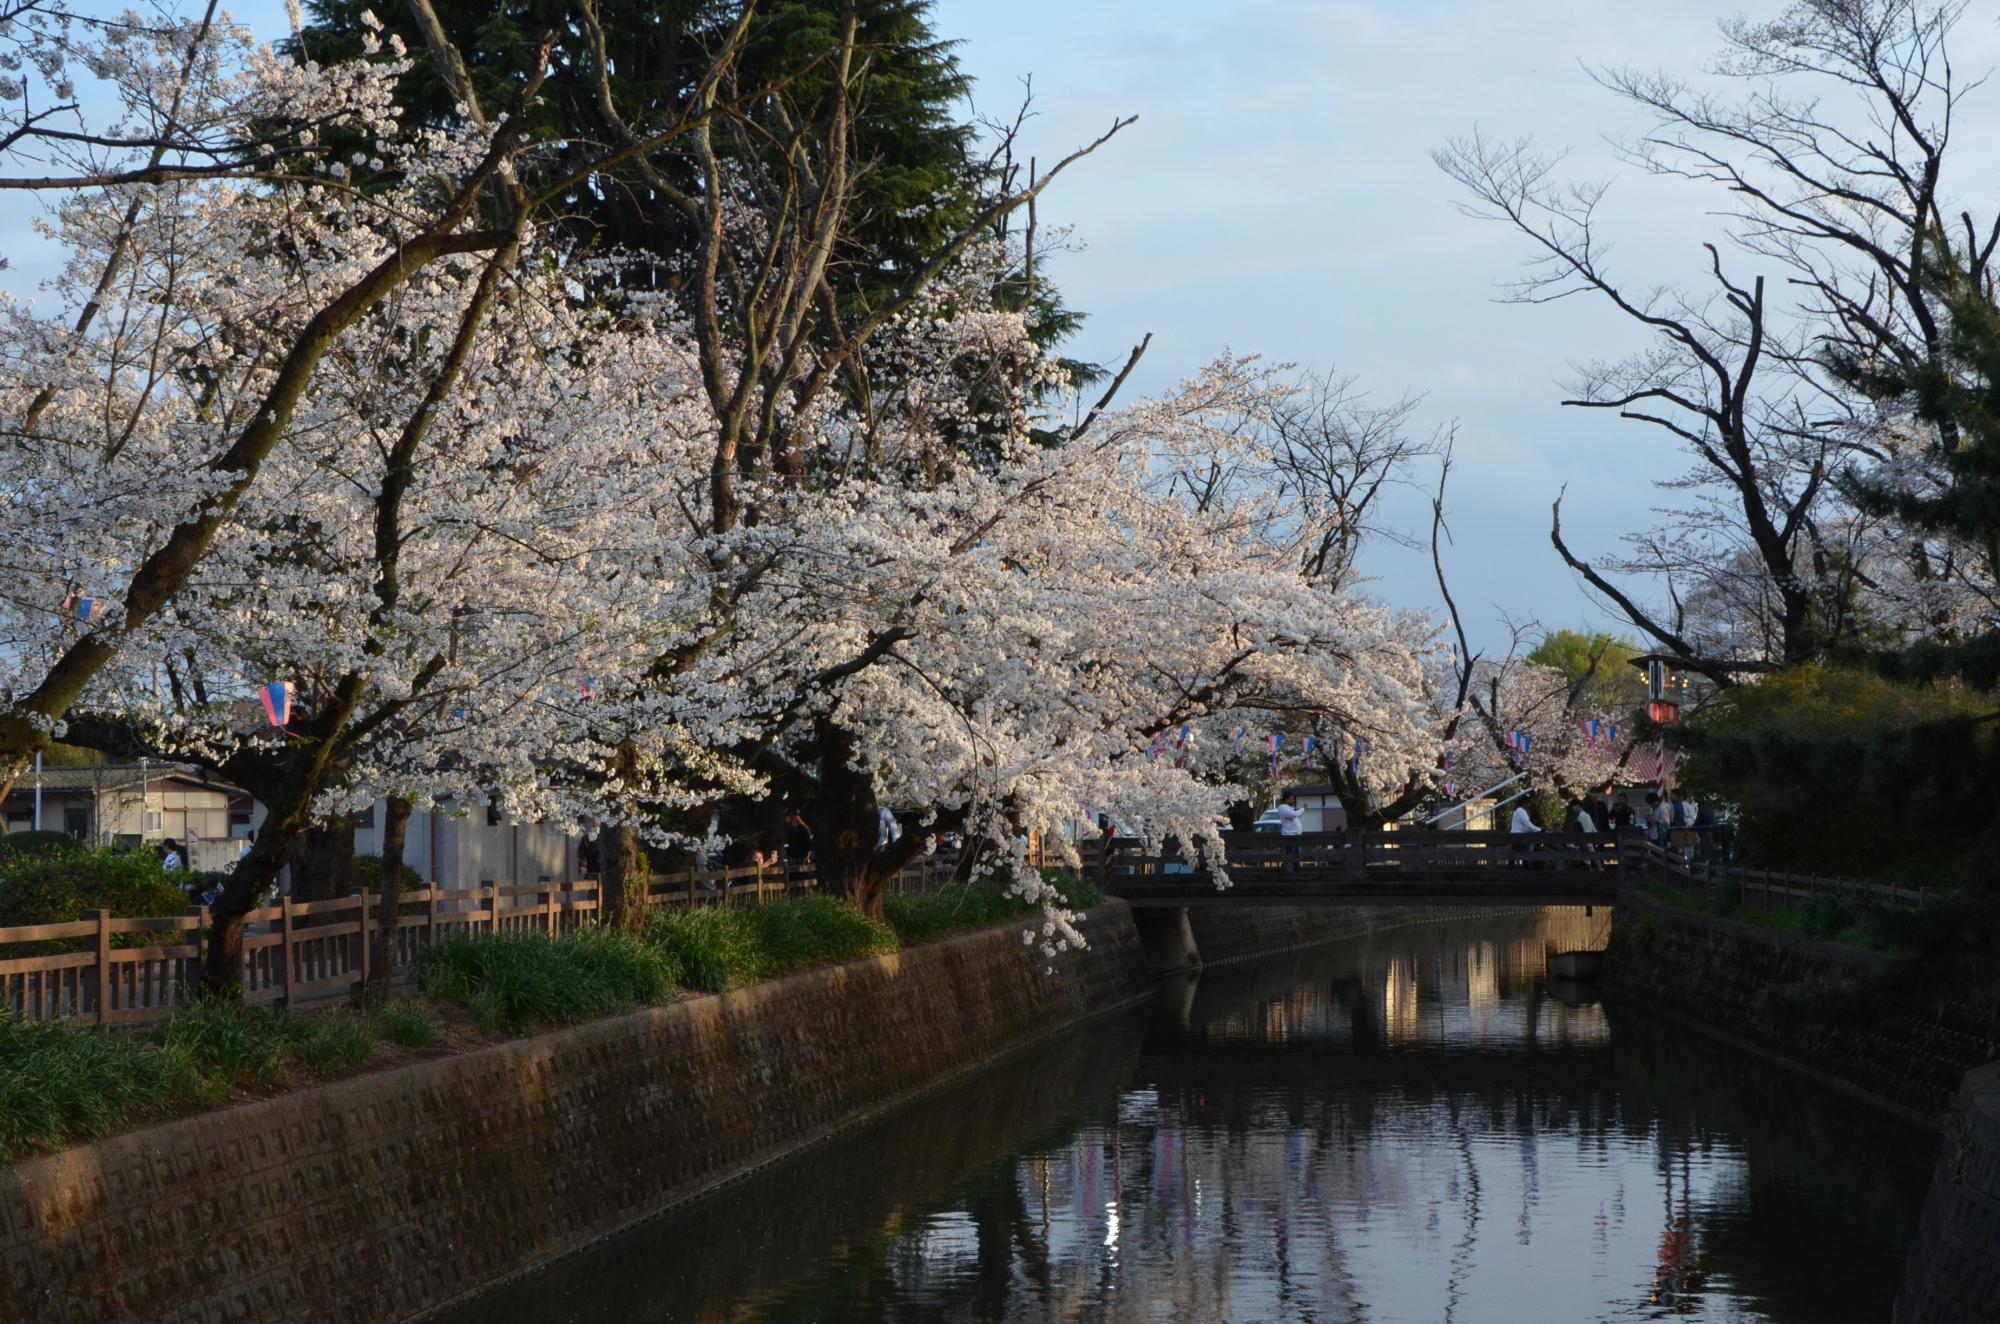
1440,855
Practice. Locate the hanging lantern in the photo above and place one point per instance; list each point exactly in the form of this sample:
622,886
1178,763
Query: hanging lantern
277,700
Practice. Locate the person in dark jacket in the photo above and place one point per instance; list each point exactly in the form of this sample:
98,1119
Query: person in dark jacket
798,841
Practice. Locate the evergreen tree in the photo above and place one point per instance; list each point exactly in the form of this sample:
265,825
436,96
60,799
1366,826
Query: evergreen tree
924,172
1958,395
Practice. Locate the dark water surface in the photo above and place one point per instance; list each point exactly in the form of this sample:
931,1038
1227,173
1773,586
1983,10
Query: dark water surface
1415,1128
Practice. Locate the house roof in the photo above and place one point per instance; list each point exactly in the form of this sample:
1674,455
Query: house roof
1649,765
118,776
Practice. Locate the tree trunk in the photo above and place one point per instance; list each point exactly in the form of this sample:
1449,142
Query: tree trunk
253,878
389,914
620,857
322,861
844,824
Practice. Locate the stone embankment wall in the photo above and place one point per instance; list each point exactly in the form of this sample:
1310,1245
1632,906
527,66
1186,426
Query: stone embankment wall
1954,1270
1819,1007
386,1195
389,1195
1826,1010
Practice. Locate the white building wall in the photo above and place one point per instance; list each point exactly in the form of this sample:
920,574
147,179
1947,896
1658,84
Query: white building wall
464,850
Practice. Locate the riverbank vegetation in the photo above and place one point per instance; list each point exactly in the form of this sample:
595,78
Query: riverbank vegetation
60,1084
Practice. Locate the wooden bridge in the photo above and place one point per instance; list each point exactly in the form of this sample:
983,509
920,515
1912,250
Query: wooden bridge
1386,868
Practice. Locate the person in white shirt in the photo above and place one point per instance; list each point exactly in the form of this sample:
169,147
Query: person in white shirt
1291,818
170,854
1522,824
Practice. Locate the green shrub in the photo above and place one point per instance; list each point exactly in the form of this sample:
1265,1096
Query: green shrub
1825,917
228,1043
1842,772
512,981
54,887
977,904
948,909
368,874
711,947
38,843
1078,892
330,1040
812,930
405,1024
715,947
58,1084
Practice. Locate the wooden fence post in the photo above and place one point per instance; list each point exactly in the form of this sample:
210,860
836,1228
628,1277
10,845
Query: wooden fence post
200,943
101,943
364,937
285,944
431,912
492,898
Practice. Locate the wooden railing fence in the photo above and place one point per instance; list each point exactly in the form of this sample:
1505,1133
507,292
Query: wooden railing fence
1767,889
297,953
1479,854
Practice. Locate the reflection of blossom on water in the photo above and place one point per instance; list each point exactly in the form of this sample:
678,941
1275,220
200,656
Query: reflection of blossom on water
1313,1146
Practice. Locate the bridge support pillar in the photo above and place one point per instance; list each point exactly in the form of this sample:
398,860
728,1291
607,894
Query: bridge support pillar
1167,939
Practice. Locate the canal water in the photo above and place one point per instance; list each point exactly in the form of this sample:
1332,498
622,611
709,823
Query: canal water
1420,1127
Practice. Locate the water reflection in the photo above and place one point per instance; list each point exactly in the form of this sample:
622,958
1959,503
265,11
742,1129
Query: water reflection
1413,1128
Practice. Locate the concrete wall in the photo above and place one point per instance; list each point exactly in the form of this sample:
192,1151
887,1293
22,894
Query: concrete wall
465,850
1816,1006
1954,1270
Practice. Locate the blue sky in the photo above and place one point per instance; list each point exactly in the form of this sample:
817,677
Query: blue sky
1277,195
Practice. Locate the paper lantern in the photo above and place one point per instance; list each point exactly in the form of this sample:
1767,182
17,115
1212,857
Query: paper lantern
277,700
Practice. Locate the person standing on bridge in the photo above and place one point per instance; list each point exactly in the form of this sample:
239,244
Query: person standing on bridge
1291,821
1523,825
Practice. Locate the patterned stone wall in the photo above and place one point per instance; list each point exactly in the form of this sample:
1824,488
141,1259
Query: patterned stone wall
1820,1007
386,1195
1954,1270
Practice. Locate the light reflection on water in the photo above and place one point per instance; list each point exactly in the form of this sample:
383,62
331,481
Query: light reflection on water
1414,1128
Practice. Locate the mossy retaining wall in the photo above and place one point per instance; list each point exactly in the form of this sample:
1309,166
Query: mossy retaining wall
1819,1007
1834,1013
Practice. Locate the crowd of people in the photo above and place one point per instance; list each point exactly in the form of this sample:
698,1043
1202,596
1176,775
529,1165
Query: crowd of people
1673,819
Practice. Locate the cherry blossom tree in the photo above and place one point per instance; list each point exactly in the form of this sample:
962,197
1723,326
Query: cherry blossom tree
212,268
